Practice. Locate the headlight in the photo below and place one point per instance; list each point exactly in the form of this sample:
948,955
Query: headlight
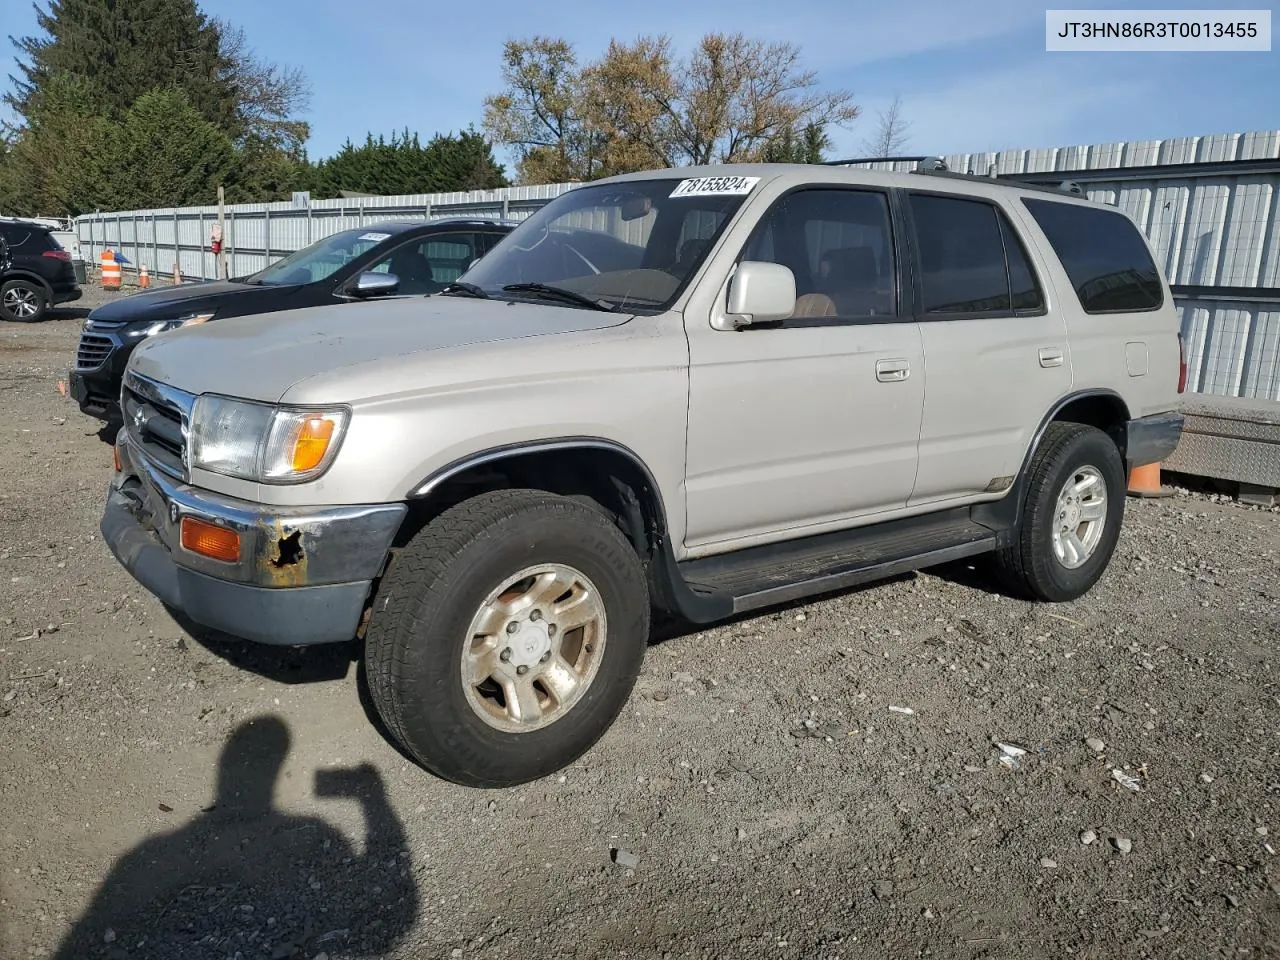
160,326
263,442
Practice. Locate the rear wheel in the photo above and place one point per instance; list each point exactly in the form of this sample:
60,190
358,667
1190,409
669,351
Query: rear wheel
506,637
1071,519
23,301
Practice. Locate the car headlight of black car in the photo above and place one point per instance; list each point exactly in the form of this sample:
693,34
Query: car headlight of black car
160,326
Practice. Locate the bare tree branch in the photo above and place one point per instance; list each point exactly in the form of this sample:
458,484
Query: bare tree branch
891,132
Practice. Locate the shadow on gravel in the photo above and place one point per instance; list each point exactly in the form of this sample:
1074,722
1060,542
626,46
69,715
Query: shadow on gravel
66,313
672,628
245,879
325,661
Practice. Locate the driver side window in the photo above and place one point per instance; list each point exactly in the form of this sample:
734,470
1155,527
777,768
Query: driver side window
430,264
838,244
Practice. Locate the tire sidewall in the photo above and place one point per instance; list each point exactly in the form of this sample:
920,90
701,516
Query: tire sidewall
42,301
435,709
1090,448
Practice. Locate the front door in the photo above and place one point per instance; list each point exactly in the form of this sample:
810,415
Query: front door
997,359
814,420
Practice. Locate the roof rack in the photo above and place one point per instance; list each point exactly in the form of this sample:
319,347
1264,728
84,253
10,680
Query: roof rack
1066,186
937,167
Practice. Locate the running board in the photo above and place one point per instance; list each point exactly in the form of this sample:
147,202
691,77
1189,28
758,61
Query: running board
779,573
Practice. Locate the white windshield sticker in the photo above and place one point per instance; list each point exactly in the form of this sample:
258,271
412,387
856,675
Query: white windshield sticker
375,237
715,186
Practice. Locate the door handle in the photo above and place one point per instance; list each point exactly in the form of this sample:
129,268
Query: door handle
891,371
1050,357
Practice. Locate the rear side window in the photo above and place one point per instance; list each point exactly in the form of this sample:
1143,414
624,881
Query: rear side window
1103,254
16,236
970,259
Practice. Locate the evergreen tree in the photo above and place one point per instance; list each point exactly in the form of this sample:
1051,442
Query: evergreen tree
402,165
166,154
123,50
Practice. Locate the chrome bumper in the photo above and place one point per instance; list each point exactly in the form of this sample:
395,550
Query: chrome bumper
302,576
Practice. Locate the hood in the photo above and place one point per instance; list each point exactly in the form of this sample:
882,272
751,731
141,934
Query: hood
259,357
165,303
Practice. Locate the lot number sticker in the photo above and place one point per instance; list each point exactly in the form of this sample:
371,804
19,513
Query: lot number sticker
375,237
715,186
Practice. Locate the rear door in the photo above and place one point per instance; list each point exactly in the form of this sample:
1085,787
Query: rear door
1123,326
996,358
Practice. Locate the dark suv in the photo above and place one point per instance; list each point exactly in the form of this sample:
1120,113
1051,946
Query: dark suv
35,272
385,259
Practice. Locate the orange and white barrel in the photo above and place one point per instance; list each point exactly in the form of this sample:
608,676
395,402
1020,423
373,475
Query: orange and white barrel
110,271
144,277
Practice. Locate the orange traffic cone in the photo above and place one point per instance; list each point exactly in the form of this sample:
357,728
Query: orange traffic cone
144,277
177,275
1144,481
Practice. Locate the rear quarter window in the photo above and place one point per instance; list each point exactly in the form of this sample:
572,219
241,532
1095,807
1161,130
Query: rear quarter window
1104,256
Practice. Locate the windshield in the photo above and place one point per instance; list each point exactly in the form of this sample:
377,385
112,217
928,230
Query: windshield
631,245
319,260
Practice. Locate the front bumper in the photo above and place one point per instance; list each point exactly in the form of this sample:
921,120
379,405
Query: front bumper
1151,439
303,575
95,378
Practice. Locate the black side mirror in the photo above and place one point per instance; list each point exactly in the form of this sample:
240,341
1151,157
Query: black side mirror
370,284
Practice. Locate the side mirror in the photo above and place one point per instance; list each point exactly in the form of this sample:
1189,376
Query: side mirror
760,293
370,284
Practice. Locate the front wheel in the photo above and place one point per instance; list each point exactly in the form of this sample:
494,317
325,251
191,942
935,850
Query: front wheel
506,637
23,301
1071,519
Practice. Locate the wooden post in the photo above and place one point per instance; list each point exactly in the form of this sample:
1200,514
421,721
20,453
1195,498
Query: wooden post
222,233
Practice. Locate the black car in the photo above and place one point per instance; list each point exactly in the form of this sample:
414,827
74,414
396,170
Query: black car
393,258
35,272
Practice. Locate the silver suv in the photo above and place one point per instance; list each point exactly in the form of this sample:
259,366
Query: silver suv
700,391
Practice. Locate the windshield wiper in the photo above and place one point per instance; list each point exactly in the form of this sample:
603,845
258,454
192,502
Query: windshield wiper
464,289
560,293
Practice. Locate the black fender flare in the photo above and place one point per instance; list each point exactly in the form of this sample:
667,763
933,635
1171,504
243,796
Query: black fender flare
673,592
1002,515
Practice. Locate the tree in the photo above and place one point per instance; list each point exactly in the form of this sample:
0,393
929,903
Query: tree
268,97
124,50
891,133
403,165
731,100
114,54
540,113
807,145
166,154
60,163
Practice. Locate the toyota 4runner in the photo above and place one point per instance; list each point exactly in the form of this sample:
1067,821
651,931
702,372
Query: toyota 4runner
700,391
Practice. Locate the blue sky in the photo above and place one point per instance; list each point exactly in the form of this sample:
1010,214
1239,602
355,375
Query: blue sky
973,74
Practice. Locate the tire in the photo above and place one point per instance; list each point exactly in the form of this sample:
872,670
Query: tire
23,301
1037,565
427,613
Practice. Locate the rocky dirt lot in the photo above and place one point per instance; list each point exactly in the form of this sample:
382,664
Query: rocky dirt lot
762,796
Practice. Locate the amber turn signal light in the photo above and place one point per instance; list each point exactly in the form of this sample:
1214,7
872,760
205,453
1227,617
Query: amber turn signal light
210,540
312,444
115,458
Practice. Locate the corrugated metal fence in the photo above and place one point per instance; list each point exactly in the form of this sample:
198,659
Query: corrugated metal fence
1208,205
259,233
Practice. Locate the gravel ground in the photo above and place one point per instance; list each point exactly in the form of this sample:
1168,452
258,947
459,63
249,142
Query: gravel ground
762,796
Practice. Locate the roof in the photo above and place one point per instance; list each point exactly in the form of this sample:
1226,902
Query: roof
37,224
801,174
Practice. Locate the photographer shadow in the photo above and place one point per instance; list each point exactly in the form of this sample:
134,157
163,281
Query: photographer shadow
244,878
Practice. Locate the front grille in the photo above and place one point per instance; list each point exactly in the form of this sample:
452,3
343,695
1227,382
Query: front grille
155,417
93,351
